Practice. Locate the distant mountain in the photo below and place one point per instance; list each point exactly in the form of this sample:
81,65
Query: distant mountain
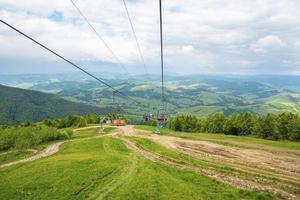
19,105
190,94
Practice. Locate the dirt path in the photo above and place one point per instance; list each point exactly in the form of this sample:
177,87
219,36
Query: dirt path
248,160
51,149
86,128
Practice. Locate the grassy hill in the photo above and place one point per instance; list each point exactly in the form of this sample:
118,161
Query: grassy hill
199,96
143,166
19,105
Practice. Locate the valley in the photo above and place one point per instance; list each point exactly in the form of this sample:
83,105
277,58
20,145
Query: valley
200,95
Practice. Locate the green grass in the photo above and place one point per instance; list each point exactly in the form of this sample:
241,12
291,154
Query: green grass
17,155
241,141
80,169
11,156
156,181
87,169
90,132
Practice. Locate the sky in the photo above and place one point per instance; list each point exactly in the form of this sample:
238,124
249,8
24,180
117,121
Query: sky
200,37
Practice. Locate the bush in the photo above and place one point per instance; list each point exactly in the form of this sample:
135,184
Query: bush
29,134
151,122
23,137
66,133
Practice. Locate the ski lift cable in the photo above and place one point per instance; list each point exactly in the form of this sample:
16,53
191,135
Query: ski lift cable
73,64
100,37
135,37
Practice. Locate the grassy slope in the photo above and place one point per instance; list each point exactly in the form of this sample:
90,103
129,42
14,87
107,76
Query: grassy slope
6,157
13,155
225,139
90,132
105,167
18,105
76,172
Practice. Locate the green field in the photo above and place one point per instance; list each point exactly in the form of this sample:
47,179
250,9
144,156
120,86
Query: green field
104,168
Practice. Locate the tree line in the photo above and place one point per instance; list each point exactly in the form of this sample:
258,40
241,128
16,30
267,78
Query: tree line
285,126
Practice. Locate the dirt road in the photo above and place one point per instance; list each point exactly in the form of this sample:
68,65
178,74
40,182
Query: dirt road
256,162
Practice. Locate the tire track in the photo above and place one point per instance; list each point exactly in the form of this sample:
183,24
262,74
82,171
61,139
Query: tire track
127,172
235,181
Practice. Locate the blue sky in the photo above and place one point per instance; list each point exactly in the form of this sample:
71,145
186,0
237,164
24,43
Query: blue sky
56,16
208,36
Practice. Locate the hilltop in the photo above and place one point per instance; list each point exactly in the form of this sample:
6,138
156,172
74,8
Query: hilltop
19,105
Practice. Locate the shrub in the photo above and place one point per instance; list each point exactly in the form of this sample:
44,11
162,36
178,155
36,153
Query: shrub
151,122
23,137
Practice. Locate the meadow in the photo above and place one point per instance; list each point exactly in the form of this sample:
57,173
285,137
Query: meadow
104,168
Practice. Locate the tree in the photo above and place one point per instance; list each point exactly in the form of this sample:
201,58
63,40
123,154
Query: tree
246,123
231,125
215,123
284,125
275,127
293,128
266,127
81,122
175,124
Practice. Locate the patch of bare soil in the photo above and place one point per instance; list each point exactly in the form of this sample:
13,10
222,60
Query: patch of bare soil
255,161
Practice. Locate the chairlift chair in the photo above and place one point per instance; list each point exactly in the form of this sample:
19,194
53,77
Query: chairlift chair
161,120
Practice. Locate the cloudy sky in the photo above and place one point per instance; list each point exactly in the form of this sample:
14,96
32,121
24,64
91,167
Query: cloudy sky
207,36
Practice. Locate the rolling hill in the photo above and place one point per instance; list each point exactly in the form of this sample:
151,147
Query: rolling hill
191,94
19,105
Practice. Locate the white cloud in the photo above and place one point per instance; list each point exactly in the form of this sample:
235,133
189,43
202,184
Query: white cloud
213,36
270,41
187,49
267,43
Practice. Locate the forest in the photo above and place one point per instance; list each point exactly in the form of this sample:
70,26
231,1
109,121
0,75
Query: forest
285,126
